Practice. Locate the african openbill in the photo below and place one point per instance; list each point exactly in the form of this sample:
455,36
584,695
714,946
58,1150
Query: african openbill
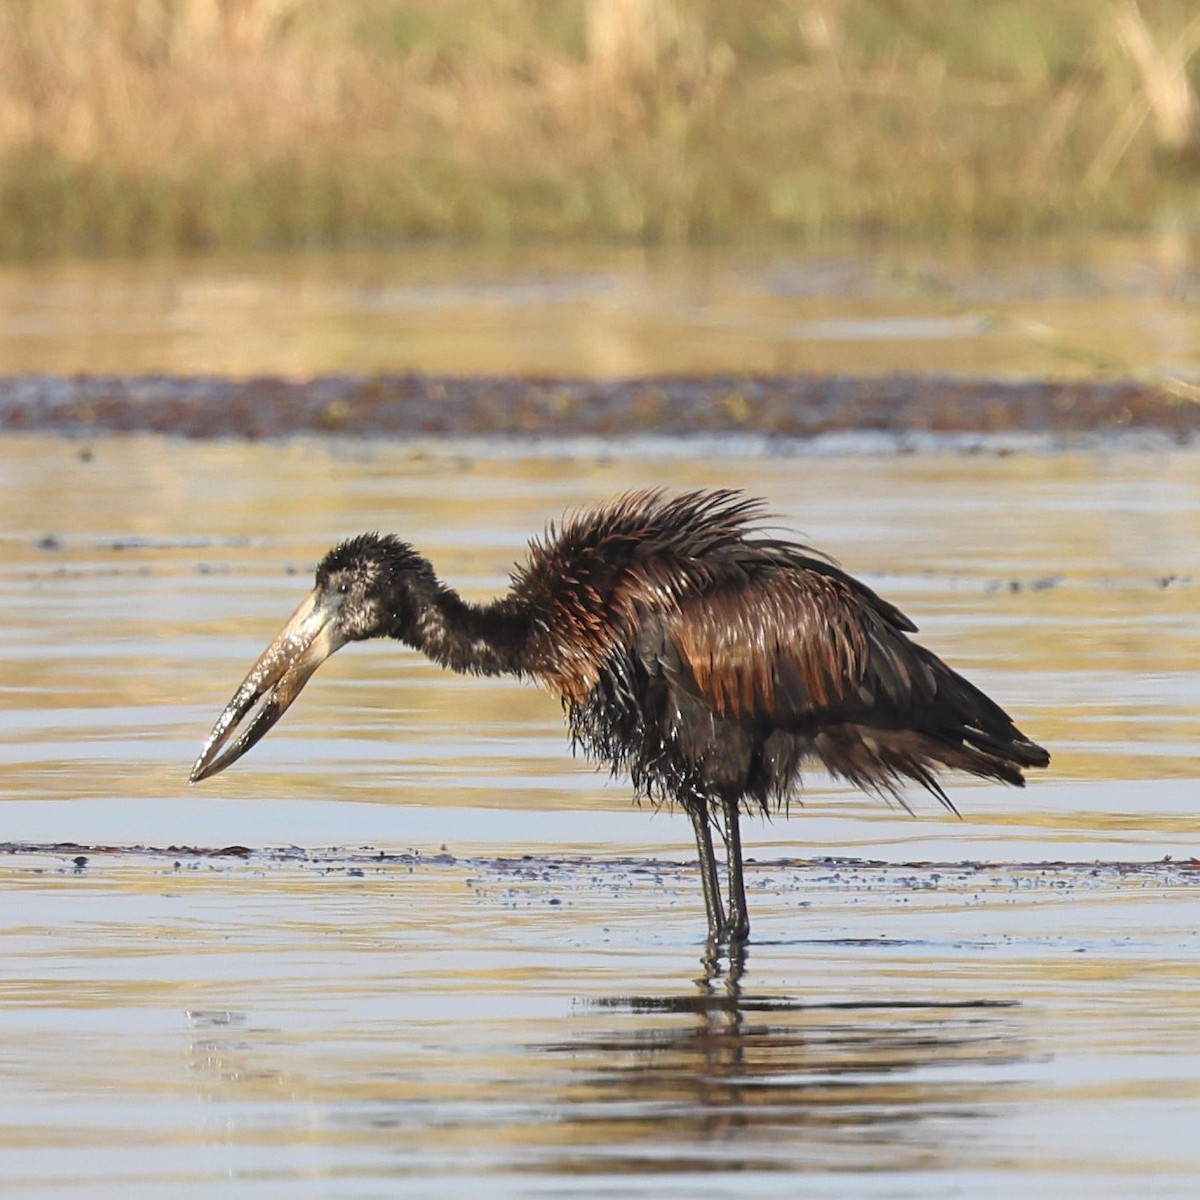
704,659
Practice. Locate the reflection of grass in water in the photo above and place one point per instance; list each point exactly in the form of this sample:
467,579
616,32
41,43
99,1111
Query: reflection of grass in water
148,124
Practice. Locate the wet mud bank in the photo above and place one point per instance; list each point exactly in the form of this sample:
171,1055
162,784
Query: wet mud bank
792,407
828,871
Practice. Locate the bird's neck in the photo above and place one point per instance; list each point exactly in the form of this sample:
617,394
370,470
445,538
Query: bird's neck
475,639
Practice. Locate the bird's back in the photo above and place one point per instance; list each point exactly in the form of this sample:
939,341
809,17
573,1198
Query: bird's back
706,658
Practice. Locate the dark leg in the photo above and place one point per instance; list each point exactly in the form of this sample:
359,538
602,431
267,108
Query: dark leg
737,926
698,811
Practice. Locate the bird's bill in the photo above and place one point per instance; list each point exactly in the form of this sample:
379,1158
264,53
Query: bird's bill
276,679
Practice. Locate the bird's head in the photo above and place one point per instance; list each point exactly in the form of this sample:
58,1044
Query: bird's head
369,586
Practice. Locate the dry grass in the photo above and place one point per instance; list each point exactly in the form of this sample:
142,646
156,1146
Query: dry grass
153,124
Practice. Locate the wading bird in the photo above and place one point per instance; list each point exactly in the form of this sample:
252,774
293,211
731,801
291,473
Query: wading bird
699,656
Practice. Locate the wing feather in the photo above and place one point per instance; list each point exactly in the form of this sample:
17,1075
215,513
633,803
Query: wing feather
795,648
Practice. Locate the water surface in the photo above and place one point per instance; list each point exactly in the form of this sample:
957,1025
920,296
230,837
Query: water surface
511,1000
1087,308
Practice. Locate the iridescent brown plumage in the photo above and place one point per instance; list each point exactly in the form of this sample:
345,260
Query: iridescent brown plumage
707,661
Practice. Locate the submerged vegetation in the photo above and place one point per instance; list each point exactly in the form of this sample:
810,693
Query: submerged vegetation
141,125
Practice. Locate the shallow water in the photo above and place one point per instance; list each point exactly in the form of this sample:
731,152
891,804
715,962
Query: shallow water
1087,308
511,1000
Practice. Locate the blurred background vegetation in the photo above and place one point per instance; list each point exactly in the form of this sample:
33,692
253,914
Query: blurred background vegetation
155,125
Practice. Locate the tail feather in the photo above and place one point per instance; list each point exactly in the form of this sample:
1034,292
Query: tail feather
883,759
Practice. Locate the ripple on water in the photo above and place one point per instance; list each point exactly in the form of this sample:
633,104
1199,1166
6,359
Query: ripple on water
424,949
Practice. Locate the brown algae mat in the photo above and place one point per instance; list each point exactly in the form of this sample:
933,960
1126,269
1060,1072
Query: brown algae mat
788,407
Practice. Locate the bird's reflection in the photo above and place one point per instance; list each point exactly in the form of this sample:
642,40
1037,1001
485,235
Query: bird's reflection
792,1083
724,1075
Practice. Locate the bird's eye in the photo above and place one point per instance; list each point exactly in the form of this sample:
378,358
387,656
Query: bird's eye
343,588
